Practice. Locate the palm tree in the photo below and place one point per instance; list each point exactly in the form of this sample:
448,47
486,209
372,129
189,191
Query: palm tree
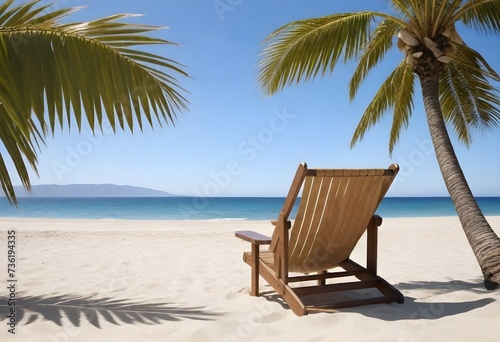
52,72
455,81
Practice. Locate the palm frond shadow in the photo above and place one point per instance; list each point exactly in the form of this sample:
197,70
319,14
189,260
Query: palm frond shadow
77,309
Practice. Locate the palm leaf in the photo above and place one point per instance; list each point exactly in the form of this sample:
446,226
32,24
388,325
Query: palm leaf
302,49
412,10
20,137
6,182
467,98
380,43
482,15
19,146
397,93
473,59
9,16
456,103
77,72
403,106
444,17
403,7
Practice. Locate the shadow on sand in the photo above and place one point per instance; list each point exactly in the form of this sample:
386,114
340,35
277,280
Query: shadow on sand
429,308
78,310
432,306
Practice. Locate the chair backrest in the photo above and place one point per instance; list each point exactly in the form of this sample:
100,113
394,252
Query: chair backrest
335,208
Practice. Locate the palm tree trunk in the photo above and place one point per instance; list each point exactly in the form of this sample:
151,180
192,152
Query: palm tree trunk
483,240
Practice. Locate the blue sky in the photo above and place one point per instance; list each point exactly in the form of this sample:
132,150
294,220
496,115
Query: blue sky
234,140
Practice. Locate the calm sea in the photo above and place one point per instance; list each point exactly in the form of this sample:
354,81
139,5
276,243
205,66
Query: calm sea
220,208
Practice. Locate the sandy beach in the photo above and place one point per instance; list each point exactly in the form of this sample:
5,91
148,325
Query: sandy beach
107,280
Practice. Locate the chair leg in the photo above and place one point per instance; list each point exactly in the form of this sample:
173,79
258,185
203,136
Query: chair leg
283,289
372,247
254,288
293,301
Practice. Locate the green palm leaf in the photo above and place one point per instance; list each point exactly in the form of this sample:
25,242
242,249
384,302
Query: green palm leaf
302,49
396,93
482,15
380,43
467,98
77,72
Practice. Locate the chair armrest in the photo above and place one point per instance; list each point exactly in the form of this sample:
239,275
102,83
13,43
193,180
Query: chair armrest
253,237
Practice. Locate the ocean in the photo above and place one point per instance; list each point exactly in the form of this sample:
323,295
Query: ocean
213,208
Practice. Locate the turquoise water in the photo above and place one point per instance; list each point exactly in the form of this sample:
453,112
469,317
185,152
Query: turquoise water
220,208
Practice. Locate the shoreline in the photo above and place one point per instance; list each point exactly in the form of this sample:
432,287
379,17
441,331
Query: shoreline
115,280
95,225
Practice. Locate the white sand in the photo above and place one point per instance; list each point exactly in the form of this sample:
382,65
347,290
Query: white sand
186,281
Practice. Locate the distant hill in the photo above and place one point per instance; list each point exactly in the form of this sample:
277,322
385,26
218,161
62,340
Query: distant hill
89,190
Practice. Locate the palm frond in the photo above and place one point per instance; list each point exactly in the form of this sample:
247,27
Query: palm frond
443,17
6,182
403,106
302,49
403,7
481,15
456,104
473,59
381,41
81,72
120,75
467,98
20,144
18,134
29,15
412,9
396,92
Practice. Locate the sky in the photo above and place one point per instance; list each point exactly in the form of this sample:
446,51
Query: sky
235,140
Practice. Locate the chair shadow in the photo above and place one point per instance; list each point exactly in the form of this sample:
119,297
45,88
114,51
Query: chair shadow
80,309
442,287
414,308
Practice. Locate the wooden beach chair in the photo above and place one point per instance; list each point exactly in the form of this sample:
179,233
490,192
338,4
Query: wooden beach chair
336,207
